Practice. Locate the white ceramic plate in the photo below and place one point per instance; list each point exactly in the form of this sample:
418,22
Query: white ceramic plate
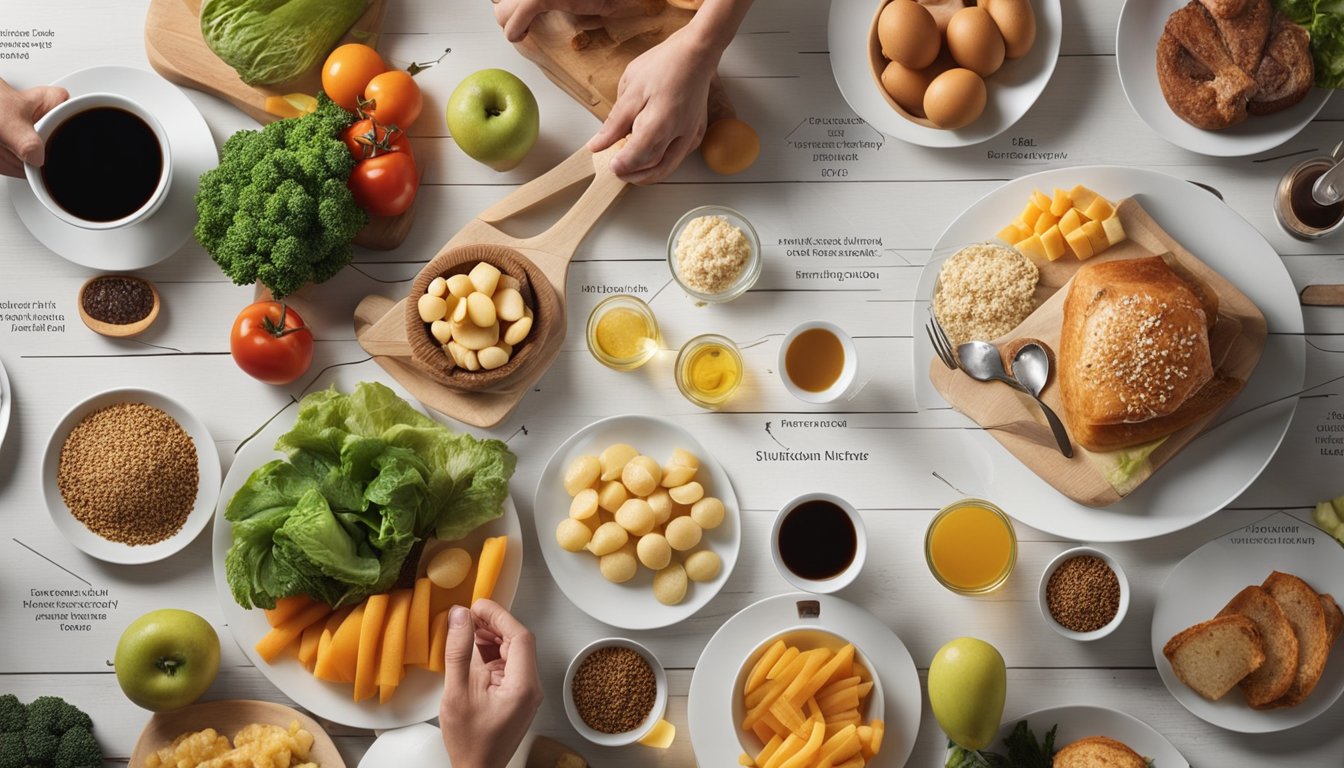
1080,721
1141,24
417,699
631,605
1012,90
1212,470
207,489
419,745
714,732
162,234
1201,584
6,402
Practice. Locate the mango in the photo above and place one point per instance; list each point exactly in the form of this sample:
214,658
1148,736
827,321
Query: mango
968,684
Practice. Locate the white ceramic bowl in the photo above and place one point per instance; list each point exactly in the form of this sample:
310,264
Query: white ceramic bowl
1050,569
750,272
207,487
655,714
843,382
838,581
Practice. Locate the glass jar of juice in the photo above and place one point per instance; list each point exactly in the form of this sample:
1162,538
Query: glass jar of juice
971,547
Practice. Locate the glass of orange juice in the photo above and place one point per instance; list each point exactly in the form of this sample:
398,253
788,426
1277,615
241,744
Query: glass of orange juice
971,547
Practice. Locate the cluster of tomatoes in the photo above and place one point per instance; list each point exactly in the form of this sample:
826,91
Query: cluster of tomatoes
385,177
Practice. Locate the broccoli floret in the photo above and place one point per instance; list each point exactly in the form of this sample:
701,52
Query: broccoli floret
277,209
13,714
51,733
78,749
12,752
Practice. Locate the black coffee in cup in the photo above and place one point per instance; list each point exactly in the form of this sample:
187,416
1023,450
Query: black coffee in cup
817,540
103,164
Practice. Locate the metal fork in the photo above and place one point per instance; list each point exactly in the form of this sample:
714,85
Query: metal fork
941,344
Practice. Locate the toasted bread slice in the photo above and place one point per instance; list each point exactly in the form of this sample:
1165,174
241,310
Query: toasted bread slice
1302,606
1213,656
1334,618
1098,752
1276,675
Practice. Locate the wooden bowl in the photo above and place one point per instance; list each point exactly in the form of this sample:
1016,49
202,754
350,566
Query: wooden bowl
429,356
878,63
112,329
228,717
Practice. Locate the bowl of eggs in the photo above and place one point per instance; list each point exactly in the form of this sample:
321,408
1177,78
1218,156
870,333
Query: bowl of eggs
931,60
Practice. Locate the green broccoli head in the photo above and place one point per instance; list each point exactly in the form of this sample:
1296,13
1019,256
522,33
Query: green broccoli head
47,733
277,209
13,714
78,749
12,752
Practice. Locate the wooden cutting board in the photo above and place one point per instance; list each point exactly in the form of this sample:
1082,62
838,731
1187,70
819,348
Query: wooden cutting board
1236,342
176,50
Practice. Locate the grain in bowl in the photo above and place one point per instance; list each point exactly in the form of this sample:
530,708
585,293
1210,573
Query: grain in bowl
714,254
984,291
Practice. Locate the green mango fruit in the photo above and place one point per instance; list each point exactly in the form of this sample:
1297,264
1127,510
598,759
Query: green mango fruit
967,687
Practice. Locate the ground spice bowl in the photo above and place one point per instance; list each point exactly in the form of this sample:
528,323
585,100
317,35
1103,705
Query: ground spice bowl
750,272
655,713
1054,565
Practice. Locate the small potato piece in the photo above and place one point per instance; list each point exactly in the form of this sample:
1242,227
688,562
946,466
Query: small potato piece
469,360
662,506
459,311
474,337
703,565
654,551
636,516
572,535
519,330
620,566
642,475
449,567
492,358
669,584
708,513
584,504
611,495
677,474
485,277
614,458
682,533
442,331
688,493
608,538
454,351
437,287
480,309
459,286
582,473
684,458
509,304
431,308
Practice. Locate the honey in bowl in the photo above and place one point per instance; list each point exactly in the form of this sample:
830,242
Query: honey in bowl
971,547
814,360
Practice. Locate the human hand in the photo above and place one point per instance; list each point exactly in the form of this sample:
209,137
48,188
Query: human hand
19,143
491,690
515,16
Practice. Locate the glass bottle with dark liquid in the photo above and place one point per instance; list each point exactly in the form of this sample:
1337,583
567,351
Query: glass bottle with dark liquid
1295,207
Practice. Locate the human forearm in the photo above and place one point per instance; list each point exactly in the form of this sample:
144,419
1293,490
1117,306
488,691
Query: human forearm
715,24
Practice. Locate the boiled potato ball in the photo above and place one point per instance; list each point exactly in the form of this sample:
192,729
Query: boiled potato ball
572,535
669,584
682,533
703,565
620,566
582,473
654,551
449,567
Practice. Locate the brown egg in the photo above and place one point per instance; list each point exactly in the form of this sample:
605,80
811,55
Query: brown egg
1016,22
906,86
955,98
975,41
730,146
908,34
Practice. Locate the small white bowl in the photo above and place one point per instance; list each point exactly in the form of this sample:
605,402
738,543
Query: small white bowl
1050,569
838,581
655,714
848,372
750,272
207,485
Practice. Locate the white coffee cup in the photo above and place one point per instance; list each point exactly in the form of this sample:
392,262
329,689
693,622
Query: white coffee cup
838,581
848,372
74,106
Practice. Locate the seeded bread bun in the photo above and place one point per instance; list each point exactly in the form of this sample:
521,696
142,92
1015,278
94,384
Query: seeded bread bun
1098,752
1275,676
1213,656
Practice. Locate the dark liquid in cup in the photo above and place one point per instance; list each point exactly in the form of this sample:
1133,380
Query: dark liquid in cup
1308,211
817,540
102,164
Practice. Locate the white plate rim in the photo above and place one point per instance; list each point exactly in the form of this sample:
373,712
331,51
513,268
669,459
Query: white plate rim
1031,500
165,232
576,573
1217,577
1136,37
417,699
848,25
207,487
1080,717
6,402
714,735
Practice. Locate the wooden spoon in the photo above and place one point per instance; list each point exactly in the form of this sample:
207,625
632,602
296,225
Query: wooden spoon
116,330
228,717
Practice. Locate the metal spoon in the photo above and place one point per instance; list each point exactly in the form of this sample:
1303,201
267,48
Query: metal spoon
982,362
1031,367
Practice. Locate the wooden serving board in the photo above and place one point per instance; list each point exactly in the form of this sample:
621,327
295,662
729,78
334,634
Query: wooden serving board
227,718
1236,342
176,50
380,322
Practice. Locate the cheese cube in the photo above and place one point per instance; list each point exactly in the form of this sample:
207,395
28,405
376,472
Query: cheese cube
1029,215
1045,221
1115,231
1099,209
1032,248
1052,240
1061,203
1014,232
1082,197
1070,221
1096,236
1040,200
1079,243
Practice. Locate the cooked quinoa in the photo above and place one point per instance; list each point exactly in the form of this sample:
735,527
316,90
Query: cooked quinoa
984,291
711,254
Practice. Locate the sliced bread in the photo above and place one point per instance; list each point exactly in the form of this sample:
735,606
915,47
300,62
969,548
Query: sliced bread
1213,656
1302,606
1276,675
1098,752
1334,618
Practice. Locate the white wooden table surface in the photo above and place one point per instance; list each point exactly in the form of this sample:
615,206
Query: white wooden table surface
779,75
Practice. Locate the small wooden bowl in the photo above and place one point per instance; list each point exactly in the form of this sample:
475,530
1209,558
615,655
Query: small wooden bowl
227,718
537,292
112,329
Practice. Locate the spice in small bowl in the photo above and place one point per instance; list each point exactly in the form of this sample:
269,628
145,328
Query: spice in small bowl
1084,594
118,305
714,254
615,692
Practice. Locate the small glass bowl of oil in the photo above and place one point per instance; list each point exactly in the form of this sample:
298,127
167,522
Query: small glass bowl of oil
709,370
623,332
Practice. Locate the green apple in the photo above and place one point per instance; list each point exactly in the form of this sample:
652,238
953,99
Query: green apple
967,687
493,117
166,659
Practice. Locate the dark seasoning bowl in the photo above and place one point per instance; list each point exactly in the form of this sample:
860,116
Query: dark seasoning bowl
654,715
1042,594
117,289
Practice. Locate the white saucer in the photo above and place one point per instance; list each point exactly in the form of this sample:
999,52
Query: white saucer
162,234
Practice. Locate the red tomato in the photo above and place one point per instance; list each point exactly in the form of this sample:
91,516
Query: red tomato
385,185
367,138
392,98
348,71
270,342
